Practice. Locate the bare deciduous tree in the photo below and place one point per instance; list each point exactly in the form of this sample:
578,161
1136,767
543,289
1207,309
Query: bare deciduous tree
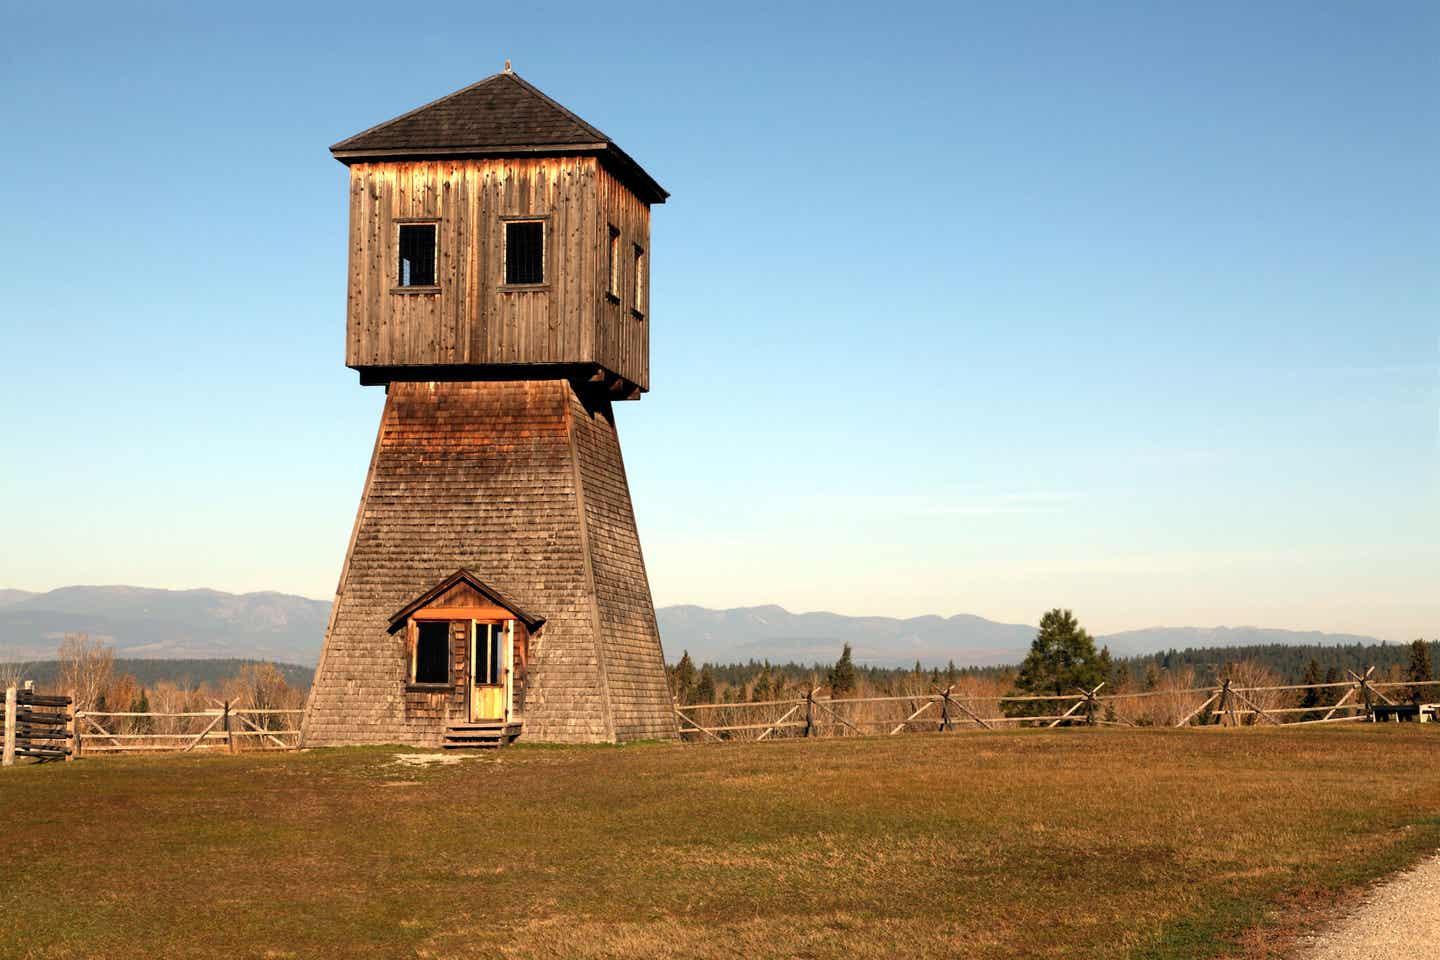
12,674
85,667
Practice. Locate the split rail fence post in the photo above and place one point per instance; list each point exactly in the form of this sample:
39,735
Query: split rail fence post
945,709
810,712
229,733
72,727
1365,694
8,758
1224,703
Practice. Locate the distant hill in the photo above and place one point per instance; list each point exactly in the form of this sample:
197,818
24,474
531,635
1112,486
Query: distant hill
8,597
775,634
143,623
1132,643
164,624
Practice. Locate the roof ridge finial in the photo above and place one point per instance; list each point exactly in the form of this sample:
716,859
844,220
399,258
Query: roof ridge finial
507,66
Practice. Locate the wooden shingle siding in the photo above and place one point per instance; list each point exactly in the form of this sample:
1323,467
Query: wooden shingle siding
491,476
471,318
634,665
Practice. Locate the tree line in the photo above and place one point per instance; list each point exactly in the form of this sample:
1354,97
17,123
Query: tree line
88,670
1062,659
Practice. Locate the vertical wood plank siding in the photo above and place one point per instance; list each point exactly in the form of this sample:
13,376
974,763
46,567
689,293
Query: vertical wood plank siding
472,318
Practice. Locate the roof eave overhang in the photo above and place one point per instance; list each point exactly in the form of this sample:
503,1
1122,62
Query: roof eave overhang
531,620
618,160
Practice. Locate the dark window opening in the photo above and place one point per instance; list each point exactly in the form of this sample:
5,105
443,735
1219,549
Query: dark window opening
432,651
613,281
639,307
417,255
525,251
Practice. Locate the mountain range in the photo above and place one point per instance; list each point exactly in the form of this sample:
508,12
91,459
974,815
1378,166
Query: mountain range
145,623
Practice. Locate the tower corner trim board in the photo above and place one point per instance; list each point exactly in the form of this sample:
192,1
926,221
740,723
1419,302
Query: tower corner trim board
499,290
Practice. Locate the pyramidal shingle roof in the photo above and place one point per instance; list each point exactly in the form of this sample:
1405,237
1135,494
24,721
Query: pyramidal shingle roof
501,115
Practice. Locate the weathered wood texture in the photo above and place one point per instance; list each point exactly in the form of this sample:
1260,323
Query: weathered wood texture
471,318
522,482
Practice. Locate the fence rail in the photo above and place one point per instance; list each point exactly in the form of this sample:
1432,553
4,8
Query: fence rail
32,727
227,727
953,709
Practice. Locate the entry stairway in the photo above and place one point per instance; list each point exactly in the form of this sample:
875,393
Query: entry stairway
483,734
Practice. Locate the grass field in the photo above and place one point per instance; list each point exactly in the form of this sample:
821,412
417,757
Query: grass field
1078,843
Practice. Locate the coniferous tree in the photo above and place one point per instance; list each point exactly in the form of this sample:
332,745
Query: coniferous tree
1419,671
684,679
1107,665
705,686
1331,694
140,704
1062,660
760,689
1311,698
842,675
951,674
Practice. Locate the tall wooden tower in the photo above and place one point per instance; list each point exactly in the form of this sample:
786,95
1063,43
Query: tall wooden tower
498,289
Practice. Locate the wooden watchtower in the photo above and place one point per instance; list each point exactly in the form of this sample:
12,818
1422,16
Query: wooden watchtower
499,290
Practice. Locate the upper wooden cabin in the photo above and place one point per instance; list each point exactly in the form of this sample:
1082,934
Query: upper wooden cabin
494,234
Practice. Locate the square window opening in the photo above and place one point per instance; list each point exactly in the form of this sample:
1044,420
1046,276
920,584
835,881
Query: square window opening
417,255
524,251
432,651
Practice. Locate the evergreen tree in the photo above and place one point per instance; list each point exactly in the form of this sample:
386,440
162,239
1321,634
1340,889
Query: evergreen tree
1107,665
760,689
1062,659
705,686
684,679
951,674
1311,698
1152,676
1419,671
140,704
842,675
1331,694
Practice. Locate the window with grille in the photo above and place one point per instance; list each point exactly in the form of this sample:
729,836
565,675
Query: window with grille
417,255
431,663
525,251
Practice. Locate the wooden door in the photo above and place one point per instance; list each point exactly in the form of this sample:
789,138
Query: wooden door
488,655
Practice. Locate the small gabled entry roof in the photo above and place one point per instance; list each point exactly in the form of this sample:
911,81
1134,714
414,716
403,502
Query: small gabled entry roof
531,621
499,116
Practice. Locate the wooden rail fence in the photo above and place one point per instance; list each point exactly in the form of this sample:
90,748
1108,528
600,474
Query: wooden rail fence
951,709
36,725
225,727
33,729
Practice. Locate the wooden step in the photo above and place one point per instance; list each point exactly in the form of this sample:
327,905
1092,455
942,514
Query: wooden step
480,735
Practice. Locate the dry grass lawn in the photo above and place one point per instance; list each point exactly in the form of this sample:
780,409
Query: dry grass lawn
1077,843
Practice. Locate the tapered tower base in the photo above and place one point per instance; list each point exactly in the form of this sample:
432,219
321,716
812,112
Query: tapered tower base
522,484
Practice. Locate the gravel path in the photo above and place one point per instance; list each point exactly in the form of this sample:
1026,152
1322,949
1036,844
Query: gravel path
1398,919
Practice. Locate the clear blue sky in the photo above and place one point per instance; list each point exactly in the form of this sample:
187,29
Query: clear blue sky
1128,307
